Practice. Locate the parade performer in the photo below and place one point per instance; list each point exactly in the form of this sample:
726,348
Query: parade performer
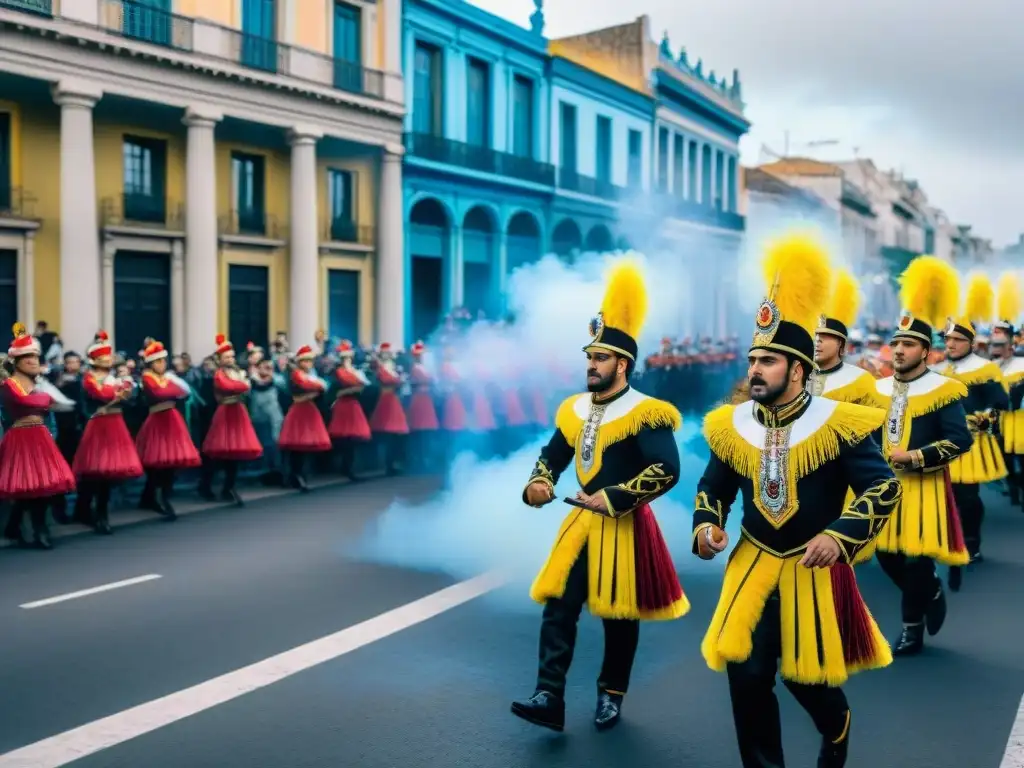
107,453
348,421
388,420
1011,425
986,399
454,417
164,443
789,590
609,554
32,469
925,429
833,377
421,413
303,431
231,438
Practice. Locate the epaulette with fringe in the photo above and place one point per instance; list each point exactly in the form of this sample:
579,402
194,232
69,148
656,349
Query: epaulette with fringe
848,423
648,413
988,372
946,393
861,391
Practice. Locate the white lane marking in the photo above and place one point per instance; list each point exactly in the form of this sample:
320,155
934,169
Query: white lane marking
101,734
1013,757
91,591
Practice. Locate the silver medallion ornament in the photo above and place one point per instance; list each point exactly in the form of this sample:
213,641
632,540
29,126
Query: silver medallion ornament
897,415
774,492
588,438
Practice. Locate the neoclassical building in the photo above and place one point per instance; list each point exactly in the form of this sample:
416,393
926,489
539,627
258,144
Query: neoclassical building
183,168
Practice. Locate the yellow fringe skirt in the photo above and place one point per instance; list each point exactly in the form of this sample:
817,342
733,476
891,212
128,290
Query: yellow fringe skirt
926,522
982,464
827,631
630,571
1011,426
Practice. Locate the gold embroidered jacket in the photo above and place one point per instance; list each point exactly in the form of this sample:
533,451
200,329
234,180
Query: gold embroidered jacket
793,465
624,448
985,392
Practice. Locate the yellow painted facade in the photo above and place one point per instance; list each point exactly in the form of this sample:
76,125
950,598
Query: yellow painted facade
312,30
225,12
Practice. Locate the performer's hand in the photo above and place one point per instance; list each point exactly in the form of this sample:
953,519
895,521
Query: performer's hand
539,494
595,502
710,541
822,552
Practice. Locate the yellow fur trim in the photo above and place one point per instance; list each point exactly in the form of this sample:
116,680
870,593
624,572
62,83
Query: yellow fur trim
625,299
988,372
845,299
948,392
984,463
980,304
860,391
1013,378
611,577
1011,427
930,290
848,423
812,648
798,274
1008,297
919,525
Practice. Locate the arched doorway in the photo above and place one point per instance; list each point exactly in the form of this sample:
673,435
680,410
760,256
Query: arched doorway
479,229
524,246
429,236
599,239
567,240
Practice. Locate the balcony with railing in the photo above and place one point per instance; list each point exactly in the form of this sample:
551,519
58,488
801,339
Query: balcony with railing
476,158
572,181
250,223
38,7
16,203
699,213
139,210
342,229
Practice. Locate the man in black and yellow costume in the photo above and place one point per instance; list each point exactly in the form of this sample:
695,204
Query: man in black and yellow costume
986,399
789,590
833,377
1002,348
925,429
609,554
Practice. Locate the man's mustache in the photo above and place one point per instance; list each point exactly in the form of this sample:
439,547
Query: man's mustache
757,381
592,372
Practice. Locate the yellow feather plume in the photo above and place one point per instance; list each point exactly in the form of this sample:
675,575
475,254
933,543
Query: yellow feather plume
19,329
980,304
625,298
930,290
799,276
1008,297
845,299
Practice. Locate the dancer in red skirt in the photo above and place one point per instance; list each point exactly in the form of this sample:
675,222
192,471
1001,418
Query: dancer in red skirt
454,417
164,443
32,469
388,419
303,431
231,437
421,413
348,421
106,455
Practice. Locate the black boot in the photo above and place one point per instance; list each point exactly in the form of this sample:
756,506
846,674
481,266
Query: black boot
936,615
911,641
609,707
833,754
956,577
39,526
543,709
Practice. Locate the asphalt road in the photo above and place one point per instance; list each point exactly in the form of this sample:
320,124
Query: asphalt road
239,586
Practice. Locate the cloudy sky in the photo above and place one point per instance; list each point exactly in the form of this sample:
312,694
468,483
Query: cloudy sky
932,87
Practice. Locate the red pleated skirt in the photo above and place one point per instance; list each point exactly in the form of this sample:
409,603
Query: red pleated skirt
107,451
388,417
422,414
231,436
538,407
515,416
303,430
483,416
453,413
657,584
163,442
31,466
348,422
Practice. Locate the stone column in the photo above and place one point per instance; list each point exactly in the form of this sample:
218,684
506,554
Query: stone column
80,288
304,301
390,245
456,271
499,279
201,258
177,340
27,277
107,279
393,83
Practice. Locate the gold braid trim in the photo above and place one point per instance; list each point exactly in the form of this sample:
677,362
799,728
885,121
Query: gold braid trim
646,486
861,391
873,507
988,372
649,413
848,423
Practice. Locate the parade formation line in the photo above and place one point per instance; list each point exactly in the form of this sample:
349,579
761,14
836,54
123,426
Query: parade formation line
107,732
91,591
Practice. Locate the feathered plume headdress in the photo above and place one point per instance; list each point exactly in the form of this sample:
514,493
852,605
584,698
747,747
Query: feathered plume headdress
1008,302
797,271
842,310
980,304
929,292
623,310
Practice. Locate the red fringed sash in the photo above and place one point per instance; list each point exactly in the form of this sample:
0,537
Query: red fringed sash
954,530
852,616
657,585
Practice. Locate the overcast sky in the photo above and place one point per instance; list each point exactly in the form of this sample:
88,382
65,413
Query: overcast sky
932,87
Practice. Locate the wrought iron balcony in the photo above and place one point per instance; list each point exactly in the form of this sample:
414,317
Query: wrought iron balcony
39,7
16,203
342,229
250,222
587,185
688,210
137,21
477,158
142,211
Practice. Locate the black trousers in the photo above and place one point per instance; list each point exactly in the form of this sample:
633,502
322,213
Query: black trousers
35,508
1013,478
89,492
161,480
558,638
972,513
916,580
755,708
209,469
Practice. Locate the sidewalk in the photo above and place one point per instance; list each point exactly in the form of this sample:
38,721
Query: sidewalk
190,504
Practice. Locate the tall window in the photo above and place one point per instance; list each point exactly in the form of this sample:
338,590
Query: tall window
603,161
145,162
247,182
662,159
732,181
522,122
348,48
341,202
678,164
259,35
5,160
427,102
478,103
634,169
567,136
